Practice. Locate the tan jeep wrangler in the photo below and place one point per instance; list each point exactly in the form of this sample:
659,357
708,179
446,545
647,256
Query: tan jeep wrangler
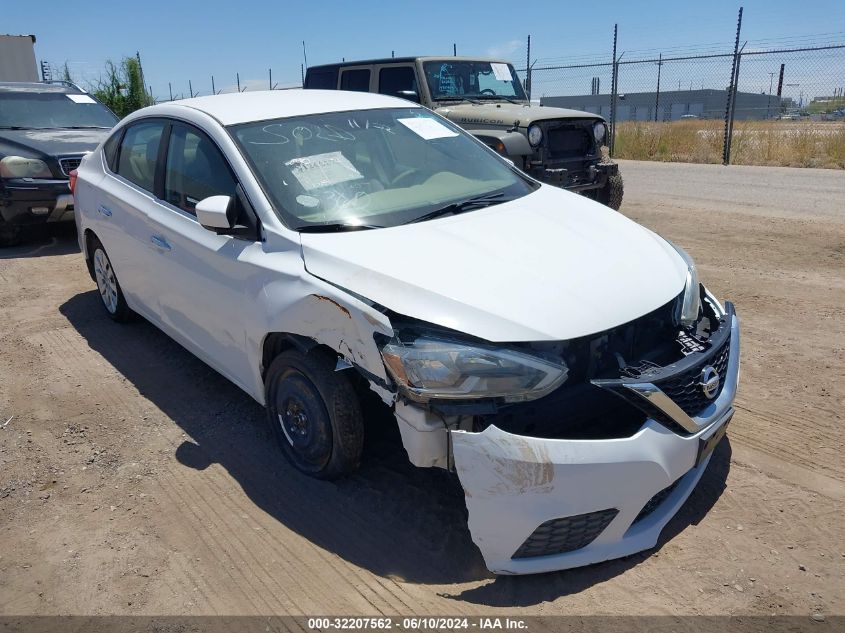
484,96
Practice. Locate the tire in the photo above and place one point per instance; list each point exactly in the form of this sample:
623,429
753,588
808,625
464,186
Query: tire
611,193
107,284
314,413
10,234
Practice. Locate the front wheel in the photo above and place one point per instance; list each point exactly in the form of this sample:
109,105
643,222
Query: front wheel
314,413
611,193
10,234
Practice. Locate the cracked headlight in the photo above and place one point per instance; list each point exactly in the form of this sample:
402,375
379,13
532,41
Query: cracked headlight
20,167
690,304
431,368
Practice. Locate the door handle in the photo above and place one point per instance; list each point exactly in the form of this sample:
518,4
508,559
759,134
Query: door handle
104,211
159,242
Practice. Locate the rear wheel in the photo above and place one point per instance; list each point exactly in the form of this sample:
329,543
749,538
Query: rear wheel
314,413
110,292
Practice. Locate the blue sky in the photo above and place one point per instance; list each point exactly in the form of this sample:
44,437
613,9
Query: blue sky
182,40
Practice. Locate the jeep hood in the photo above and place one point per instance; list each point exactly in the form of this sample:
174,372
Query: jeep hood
552,265
505,113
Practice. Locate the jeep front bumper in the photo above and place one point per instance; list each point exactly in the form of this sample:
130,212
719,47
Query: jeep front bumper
592,177
538,505
29,201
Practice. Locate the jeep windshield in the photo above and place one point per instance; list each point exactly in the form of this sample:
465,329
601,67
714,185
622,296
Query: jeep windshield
53,110
473,80
369,169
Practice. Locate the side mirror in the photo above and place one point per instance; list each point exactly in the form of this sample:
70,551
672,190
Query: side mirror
215,212
410,95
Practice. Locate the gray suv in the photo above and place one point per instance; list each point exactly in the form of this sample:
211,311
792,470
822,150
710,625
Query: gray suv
485,96
45,130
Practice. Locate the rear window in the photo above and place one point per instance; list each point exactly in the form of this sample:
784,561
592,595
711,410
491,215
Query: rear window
357,80
322,78
139,152
53,110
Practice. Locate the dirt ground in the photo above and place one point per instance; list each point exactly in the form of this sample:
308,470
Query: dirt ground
135,480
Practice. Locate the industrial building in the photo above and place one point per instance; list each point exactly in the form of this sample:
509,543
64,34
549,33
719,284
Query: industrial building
672,105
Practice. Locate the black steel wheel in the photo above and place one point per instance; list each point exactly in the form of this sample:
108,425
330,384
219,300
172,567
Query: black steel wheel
314,413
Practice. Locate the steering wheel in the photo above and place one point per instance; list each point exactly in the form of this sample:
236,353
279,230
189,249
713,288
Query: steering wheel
403,175
488,91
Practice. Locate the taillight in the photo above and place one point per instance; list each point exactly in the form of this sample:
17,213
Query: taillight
72,175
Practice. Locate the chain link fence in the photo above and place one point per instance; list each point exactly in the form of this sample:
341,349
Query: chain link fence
770,107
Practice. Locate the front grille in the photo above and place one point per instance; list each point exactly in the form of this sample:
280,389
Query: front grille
579,411
655,501
684,388
69,164
566,534
569,141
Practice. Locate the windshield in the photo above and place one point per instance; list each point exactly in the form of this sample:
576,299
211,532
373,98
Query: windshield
449,79
373,168
39,111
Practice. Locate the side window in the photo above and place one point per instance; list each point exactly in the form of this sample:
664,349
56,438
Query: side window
195,169
392,81
357,80
138,152
322,78
110,149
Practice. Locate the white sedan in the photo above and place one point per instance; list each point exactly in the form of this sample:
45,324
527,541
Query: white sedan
564,361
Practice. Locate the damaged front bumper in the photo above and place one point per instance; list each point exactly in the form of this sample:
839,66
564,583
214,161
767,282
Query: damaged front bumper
538,505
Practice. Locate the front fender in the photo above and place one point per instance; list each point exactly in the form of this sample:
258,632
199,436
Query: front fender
515,143
330,317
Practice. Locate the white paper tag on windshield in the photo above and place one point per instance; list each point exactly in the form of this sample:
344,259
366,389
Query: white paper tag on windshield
80,98
323,170
502,72
427,128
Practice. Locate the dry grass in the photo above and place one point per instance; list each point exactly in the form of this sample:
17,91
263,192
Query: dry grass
783,143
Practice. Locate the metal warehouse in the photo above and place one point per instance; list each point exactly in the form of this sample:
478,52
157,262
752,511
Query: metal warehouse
672,105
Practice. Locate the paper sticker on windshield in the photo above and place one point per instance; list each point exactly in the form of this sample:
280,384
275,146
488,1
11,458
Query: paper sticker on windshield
80,98
427,128
502,72
323,170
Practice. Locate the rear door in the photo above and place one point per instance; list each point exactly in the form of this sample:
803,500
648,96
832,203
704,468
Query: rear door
127,197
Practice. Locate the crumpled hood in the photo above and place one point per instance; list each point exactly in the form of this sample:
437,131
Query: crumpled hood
57,142
552,265
504,113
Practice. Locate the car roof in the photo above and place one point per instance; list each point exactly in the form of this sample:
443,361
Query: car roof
406,60
262,105
39,87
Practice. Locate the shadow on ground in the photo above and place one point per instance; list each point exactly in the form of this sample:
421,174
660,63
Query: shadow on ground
44,241
390,518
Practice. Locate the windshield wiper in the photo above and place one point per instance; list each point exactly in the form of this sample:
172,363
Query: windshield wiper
334,227
18,127
484,97
484,200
